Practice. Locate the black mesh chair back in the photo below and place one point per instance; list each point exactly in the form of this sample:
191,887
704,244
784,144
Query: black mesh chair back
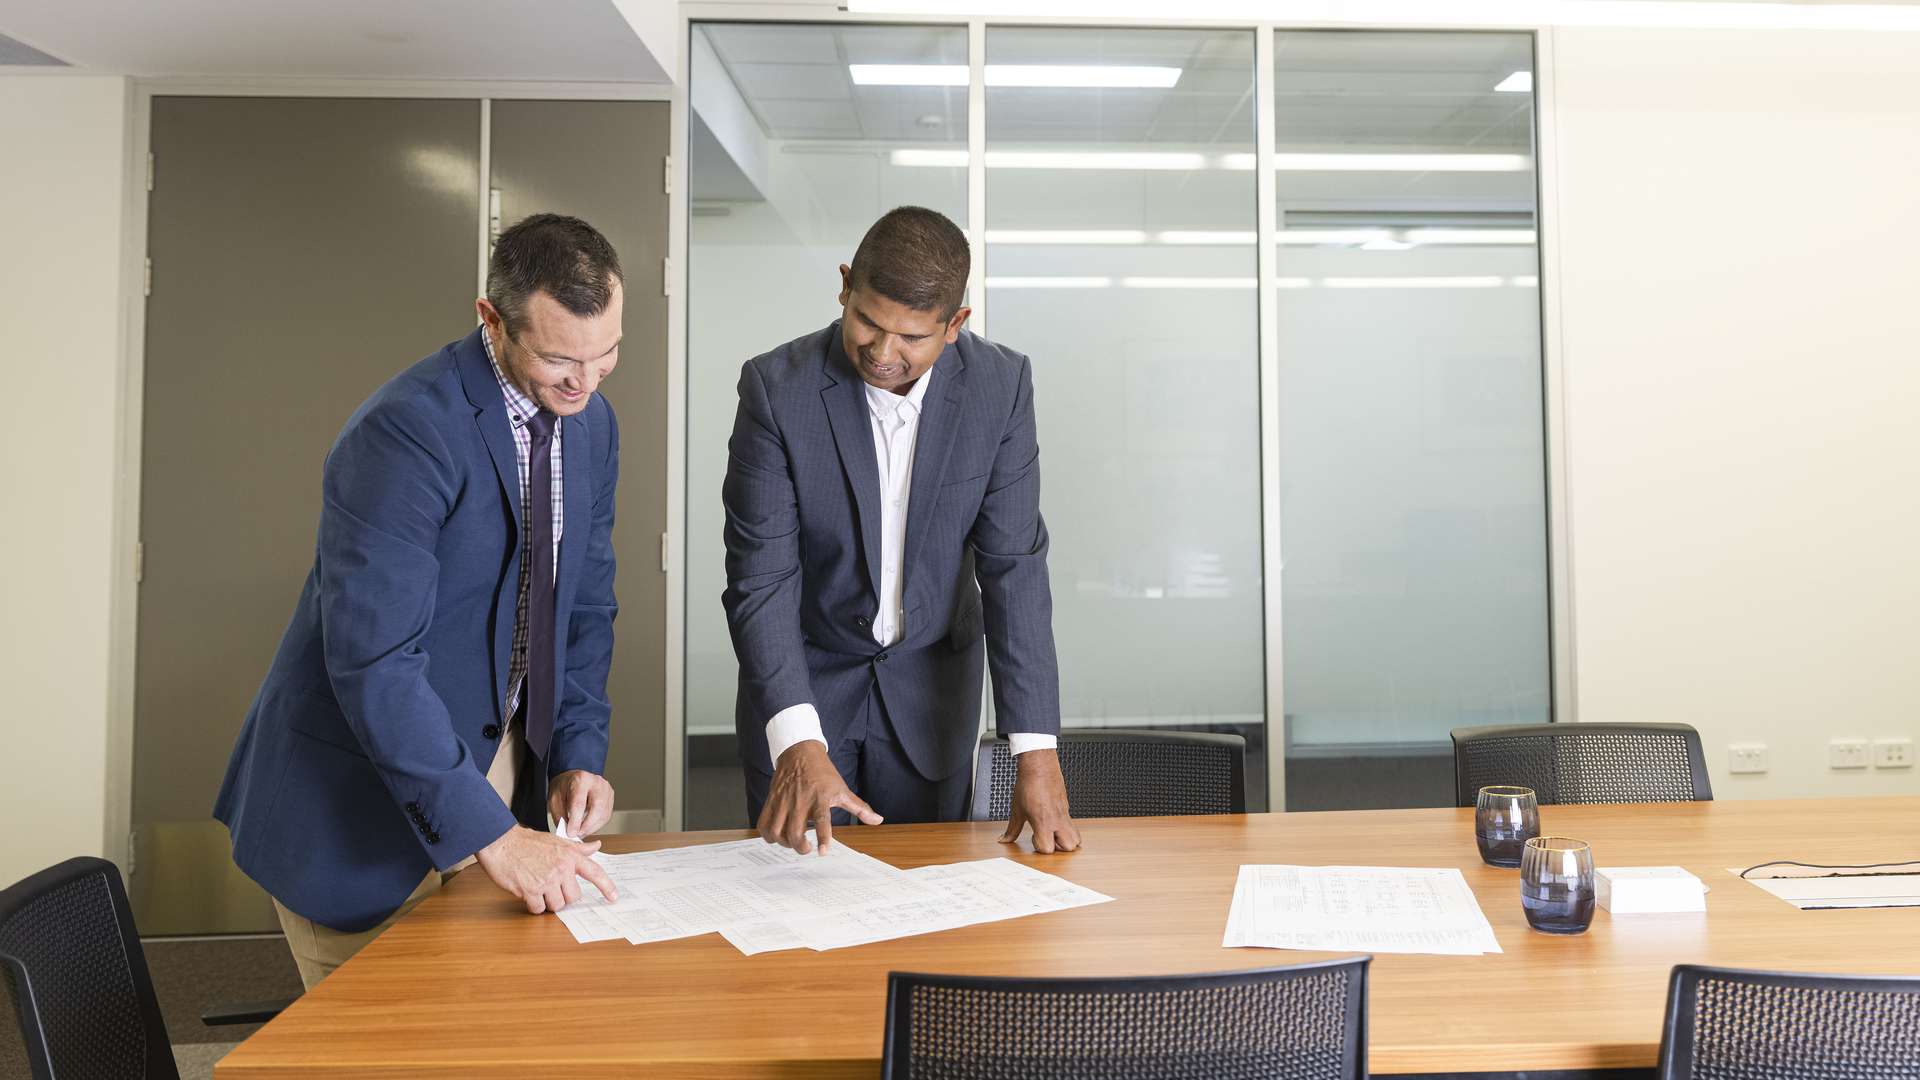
79,981
1127,774
1292,1023
1724,1024
1583,763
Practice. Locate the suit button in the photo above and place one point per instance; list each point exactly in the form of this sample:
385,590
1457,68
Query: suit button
413,808
491,731
881,659
863,622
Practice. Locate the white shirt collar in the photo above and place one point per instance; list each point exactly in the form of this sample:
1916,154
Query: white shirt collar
886,404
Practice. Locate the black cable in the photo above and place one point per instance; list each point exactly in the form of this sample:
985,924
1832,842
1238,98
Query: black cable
1915,863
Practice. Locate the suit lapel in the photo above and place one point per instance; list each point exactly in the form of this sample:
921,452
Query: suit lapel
490,417
845,397
576,474
933,445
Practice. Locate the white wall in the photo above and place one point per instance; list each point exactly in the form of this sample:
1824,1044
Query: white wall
1737,271
62,195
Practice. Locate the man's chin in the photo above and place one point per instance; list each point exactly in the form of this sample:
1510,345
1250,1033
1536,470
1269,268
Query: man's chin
560,405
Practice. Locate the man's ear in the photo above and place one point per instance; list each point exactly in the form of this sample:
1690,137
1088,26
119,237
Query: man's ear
954,324
496,323
846,283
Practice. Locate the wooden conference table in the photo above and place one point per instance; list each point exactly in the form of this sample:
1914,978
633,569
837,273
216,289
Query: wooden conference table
466,986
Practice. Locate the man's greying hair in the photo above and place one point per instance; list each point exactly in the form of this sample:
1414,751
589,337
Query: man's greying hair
564,257
914,256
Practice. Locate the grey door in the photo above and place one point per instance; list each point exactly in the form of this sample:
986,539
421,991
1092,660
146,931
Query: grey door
605,161
304,251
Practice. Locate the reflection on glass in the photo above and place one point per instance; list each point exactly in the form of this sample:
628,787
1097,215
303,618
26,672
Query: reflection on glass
1504,819
1120,258
791,158
1412,461
1556,884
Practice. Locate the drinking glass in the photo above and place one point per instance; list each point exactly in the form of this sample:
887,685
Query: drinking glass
1556,884
1503,821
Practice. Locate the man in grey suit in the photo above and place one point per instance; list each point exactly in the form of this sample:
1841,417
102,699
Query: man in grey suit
882,513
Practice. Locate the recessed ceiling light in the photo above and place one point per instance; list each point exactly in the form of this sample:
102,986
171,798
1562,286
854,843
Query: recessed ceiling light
1520,82
1185,160
1078,76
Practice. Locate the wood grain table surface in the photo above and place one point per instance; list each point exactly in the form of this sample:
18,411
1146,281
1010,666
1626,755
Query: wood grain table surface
470,985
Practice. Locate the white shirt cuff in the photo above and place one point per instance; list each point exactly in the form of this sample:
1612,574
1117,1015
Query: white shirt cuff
791,725
1022,741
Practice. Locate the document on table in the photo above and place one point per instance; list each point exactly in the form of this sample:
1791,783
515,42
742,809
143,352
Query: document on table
1808,890
762,897
1357,909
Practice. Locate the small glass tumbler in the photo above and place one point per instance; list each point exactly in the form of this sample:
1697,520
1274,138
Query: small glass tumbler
1556,884
1503,821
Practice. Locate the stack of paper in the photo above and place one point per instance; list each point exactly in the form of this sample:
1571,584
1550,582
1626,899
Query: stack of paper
763,898
1358,909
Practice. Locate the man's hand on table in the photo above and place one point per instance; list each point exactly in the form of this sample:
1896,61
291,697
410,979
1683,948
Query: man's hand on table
582,799
542,869
1040,800
806,787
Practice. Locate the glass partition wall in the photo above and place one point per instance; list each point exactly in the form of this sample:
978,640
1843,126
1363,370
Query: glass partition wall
1118,251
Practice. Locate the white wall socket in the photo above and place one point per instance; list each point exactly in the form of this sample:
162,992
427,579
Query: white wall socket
1847,754
1893,753
1747,758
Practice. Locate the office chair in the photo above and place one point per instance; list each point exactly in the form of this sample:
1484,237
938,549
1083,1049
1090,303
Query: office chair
1583,763
1307,1022
1724,1024
78,979
1126,774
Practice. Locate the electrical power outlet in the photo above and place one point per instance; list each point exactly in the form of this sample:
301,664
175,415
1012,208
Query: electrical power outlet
1847,754
1893,753
1747,758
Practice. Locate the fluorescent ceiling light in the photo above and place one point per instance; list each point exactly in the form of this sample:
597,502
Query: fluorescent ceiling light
1079,76
1520,82
1055,159
908,74
1188,283
1412,282
1308,237
1475,14
1401,162
1066,236
1049,282
1520,237
1201,237
1090,76
1527,281
1386,243
925,159
1180,160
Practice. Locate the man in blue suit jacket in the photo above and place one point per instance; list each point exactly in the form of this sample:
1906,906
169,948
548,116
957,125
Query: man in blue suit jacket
442,685
883,512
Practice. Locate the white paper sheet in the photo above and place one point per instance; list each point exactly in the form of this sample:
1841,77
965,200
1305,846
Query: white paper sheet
766,898
1808,892
1357,909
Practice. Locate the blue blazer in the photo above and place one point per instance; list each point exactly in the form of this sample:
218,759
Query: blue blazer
802,499
363,760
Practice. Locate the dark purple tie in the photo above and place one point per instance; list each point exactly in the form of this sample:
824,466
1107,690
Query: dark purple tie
540,583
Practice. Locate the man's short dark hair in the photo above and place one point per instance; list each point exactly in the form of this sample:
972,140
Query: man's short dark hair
564,257
914,256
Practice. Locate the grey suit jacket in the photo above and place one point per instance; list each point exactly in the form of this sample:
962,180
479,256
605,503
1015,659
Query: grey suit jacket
802,497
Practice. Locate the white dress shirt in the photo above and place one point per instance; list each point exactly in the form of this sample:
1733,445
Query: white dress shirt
896,429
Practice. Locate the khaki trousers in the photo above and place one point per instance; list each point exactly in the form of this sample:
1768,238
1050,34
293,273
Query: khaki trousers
318,950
